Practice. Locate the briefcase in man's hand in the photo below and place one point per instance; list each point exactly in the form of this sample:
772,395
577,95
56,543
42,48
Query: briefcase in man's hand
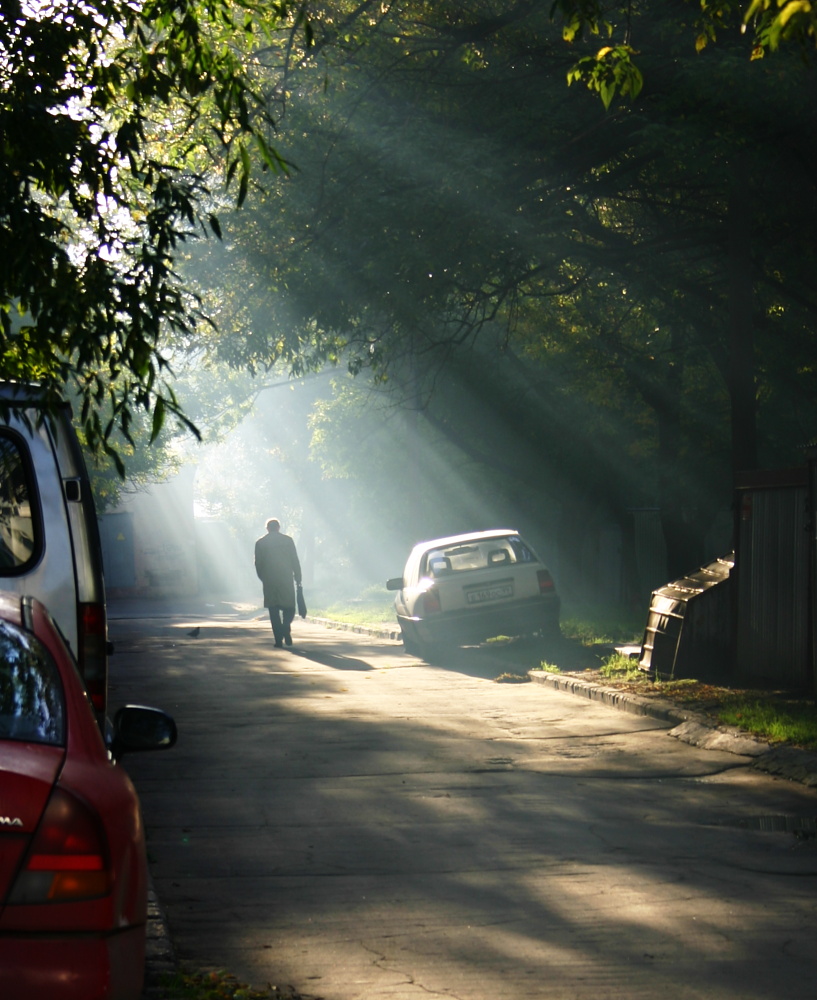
301,601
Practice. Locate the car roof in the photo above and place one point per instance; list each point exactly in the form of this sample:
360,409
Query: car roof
471,536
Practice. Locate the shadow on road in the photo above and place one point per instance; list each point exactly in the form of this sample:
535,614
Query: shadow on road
519,655
333,660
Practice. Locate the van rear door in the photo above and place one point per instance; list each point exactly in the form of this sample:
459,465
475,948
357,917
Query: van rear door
49,539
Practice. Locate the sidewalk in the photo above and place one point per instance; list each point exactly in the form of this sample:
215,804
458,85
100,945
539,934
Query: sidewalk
694,728
690,727
179,607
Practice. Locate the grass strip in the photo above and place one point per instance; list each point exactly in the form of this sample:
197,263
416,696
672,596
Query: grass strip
773,719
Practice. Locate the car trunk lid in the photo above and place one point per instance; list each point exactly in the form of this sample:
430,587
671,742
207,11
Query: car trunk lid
28,772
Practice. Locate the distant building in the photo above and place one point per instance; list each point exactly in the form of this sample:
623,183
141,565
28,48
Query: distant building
149,541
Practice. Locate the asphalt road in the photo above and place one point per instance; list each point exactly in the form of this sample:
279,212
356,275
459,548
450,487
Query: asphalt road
346,819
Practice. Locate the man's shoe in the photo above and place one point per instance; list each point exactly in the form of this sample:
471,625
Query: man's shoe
288,638
278,644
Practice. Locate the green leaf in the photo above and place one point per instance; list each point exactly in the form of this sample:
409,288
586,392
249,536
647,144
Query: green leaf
158,418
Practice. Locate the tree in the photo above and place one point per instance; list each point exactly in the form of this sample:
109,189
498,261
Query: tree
614,68
114,120
454,199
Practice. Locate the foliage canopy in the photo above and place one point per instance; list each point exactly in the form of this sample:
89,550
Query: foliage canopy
116,119
628,282
480,238
614,69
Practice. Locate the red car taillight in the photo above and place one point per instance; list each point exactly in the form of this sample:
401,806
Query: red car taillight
67,861
431,602
92,654
546,585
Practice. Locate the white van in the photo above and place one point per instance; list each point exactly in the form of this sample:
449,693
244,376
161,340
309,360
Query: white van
49,537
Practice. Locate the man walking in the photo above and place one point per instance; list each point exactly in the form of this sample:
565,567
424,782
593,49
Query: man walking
277,566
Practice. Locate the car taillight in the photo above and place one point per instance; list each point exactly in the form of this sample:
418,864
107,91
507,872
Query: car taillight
67,861
431,602
546,585
92,655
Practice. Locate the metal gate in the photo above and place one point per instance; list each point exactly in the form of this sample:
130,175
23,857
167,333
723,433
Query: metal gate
772,569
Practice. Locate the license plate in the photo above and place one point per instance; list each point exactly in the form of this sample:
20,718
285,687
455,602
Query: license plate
495,592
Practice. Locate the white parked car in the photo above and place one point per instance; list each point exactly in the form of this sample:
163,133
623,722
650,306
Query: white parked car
468,588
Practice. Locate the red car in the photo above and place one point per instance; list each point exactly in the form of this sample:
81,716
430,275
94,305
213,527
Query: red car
73,871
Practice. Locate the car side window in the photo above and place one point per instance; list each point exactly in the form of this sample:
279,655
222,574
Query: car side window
18,524
521,551
32,700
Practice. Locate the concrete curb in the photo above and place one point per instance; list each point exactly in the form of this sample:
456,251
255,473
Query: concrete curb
694,728
160,958
384,631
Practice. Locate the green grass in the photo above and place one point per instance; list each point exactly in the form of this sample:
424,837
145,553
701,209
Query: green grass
620,667
361,612
593,625
774,719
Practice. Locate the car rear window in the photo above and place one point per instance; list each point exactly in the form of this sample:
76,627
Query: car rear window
18,536
486,553
32,700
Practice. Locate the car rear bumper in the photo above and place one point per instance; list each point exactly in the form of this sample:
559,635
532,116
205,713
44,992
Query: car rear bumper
72,966
480,623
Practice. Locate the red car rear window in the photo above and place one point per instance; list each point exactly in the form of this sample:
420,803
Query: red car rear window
32,701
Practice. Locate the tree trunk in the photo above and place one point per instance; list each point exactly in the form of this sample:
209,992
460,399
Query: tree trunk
680,521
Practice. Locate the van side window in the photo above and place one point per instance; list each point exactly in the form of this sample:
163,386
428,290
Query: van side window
18,535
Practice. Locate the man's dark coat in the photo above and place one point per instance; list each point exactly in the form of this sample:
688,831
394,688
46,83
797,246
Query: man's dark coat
277,566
